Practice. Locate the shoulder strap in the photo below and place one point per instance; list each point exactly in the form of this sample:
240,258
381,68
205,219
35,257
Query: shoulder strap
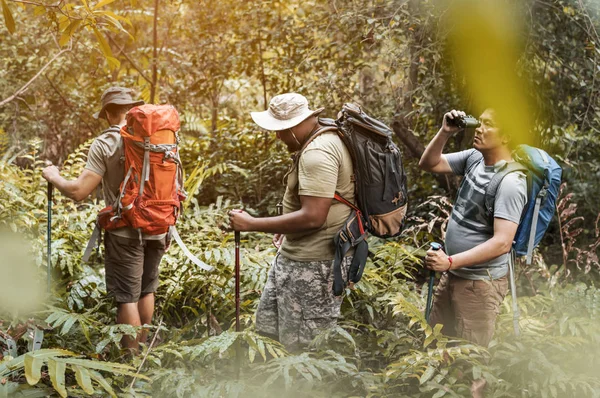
112,129
309,139
314,135
492,188
472,160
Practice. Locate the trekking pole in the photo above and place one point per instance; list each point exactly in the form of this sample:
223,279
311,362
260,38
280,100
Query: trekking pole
433,246
238,353
49,234
237,281
513,290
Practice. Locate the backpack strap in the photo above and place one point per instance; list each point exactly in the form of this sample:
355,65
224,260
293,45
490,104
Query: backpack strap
314,135
309,139
352,234
115,128
91,245
472,160
97,232
492,188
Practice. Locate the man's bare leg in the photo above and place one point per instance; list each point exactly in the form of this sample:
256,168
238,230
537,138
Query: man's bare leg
146,310
477,388
127,313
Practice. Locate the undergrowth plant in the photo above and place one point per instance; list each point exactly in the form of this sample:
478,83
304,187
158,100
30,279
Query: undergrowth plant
381,347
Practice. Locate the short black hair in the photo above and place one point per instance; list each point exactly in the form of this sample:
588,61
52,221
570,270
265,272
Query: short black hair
117,109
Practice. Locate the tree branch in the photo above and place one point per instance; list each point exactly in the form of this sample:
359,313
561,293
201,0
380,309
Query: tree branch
137,68
40,72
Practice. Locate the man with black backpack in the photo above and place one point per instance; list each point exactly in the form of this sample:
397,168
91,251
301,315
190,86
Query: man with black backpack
475,265
297,301
131,260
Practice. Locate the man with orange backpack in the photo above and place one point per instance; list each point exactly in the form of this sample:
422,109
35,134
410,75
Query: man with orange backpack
132,256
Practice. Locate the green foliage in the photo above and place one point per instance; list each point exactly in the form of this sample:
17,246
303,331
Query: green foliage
216,62
57,361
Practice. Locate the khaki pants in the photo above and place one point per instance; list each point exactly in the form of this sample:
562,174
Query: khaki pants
468,308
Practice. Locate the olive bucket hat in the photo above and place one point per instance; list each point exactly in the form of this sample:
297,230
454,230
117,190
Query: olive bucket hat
117,96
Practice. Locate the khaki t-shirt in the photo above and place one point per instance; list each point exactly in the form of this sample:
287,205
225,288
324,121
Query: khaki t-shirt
104,159
325,167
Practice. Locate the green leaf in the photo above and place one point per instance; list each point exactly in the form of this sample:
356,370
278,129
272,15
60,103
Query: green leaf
430,371
8,18
82,375
103,383
56,369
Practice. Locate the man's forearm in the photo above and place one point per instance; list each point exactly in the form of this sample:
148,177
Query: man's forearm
433,152
482,253
66,187
295,222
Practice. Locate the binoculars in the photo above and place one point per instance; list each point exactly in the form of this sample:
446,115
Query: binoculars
464,122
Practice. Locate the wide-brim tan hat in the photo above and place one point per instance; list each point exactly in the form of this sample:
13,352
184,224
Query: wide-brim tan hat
117,96
285,111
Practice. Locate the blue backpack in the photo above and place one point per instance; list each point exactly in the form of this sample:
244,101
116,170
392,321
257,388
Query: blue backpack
543,184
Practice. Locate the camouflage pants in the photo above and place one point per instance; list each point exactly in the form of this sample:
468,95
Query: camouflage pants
297,301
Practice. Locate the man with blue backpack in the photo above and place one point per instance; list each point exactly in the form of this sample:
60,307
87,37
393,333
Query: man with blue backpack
475,264
502,195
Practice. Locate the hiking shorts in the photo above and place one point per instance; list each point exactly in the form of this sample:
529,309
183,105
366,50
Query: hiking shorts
131,267
298,302
468,308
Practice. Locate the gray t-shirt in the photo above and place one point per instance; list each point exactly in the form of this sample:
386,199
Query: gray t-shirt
469,225
104,159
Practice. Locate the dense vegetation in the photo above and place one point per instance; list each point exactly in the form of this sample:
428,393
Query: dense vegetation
407,62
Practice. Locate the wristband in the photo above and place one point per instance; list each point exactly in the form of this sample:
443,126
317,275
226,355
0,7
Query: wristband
450,261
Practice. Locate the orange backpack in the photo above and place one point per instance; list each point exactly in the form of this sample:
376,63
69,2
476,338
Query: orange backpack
150,196
152,191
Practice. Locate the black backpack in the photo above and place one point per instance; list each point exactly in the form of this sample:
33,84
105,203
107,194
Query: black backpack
379,175
380,187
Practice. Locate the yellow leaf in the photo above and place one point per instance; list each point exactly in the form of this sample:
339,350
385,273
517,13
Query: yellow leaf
56,369
64,39
103,43
113,62
73,26
39,10
102,3
118,17
33,368
8,18
103,383
87,7
82,375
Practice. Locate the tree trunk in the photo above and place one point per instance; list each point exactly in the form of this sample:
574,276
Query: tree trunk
154,55
402,119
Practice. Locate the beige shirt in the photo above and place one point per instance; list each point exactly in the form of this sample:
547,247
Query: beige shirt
104,159
325,167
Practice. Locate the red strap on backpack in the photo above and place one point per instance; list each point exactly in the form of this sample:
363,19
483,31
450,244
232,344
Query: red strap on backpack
341,199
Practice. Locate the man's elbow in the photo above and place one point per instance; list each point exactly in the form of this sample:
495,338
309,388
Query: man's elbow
504,246
425,165
315,222
77,195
